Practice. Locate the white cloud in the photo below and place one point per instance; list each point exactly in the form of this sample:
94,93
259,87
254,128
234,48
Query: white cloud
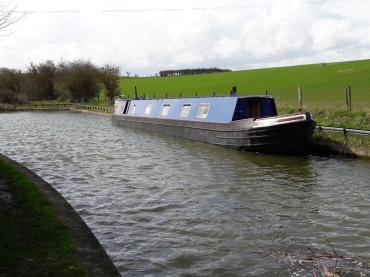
225,48
257,34
329,33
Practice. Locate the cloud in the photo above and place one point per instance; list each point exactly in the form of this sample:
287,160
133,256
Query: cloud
148,36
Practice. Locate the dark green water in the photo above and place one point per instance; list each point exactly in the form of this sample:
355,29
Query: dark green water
163,206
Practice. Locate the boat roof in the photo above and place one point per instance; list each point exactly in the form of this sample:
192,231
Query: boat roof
216,108
197,97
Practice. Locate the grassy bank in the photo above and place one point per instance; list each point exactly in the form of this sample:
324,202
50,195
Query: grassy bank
335,118
357,145
33,241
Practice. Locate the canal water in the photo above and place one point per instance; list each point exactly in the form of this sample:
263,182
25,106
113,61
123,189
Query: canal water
163,206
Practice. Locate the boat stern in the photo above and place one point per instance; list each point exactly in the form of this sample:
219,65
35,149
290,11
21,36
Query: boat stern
289,134
283,120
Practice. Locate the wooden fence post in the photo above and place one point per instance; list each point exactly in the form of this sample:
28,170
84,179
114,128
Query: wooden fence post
300,99
135,92
347,102
350,98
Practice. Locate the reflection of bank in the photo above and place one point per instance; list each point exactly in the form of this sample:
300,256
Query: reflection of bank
277,195
293,169
278,180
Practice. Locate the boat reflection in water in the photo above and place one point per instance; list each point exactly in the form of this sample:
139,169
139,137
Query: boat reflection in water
250,123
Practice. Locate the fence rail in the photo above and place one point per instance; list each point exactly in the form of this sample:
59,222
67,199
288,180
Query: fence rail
54,106
343,130
47,105
35,106
94,108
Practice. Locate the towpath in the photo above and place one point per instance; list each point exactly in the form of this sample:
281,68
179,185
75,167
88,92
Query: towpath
17,239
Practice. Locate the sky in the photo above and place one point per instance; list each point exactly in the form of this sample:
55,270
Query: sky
143,37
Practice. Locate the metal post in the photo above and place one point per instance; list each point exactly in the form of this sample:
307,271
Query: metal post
233,91
345,135
300,99
135,92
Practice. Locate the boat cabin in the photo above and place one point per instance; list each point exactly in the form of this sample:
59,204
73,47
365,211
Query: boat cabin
209,109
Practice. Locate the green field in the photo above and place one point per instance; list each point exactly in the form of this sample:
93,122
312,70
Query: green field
323,85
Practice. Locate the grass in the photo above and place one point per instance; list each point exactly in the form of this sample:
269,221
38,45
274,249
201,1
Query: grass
101,100
350,140
323,85
337,118
48,102
33,241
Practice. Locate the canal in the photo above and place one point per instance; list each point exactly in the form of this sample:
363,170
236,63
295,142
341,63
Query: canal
163,206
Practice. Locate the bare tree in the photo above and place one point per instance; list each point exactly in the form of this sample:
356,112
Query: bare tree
42,81
7,16
11,84
109,76
79,79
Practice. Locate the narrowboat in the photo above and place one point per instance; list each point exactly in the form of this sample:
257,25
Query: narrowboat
249,123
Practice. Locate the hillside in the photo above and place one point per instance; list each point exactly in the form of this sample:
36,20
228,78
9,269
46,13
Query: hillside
323,84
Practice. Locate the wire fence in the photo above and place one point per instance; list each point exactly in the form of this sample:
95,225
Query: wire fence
103,109
345,131
35,106
54,106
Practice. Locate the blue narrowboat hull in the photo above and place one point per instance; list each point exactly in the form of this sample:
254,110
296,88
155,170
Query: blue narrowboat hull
283,135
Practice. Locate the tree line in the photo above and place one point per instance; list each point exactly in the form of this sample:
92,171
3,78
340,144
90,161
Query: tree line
76,81
190,71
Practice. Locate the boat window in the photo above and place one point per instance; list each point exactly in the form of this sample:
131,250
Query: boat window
203,110
165,110
133,109
148,109
185,110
